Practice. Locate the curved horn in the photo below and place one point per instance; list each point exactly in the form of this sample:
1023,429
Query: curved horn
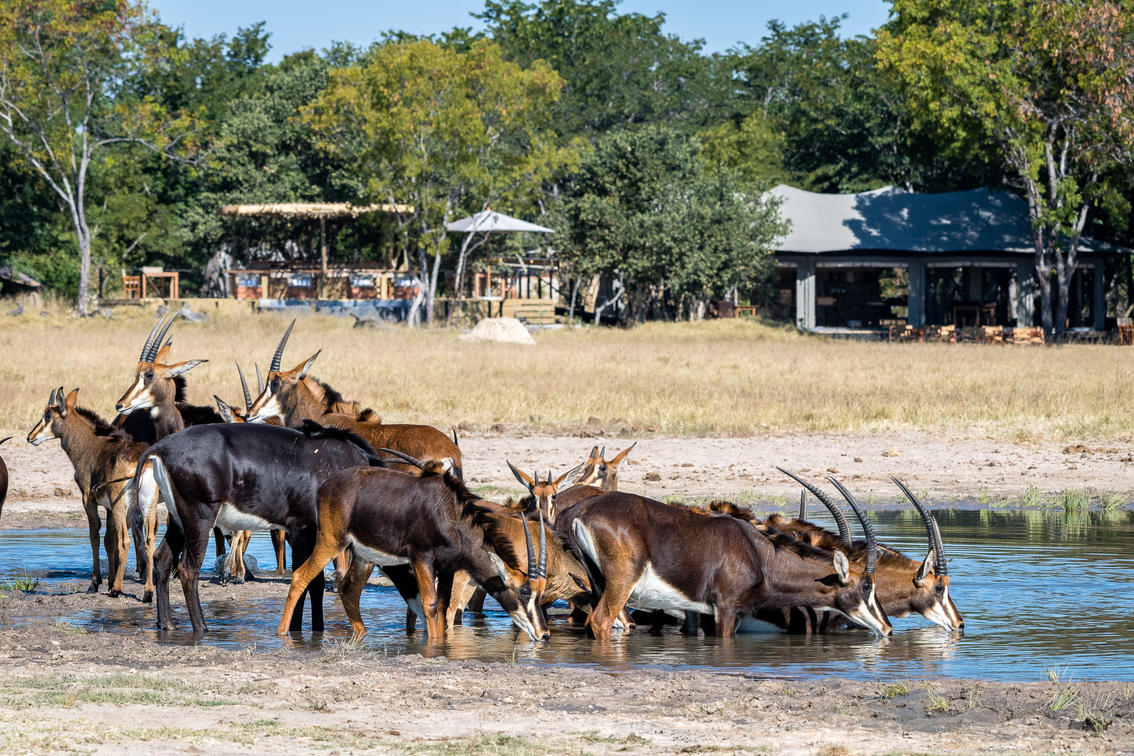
7,438
275,366
150,338
532,569
244,387
941,567
407,458
259,380
934,543
803,505
542,571
832,507
160,337
871,540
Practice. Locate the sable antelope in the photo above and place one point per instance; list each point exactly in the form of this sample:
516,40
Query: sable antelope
238,543
541,494
294,397
239,476
159,390
103,459
566,577
429,523
599,471
905,586
656,556
3,478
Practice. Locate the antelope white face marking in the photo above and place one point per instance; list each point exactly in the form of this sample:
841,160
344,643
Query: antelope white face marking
270,409
233,519
138,396
380,558
863,616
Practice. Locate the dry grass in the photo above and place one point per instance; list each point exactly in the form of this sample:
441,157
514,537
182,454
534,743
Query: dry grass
734,377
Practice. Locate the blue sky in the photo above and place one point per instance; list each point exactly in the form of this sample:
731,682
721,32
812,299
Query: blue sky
300,25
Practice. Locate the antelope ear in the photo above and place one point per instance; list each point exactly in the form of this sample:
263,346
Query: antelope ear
842,567
72,398
923,571
307,365
163,353
498,565
621,455
185,367
224,410
523,477
579,582
60,401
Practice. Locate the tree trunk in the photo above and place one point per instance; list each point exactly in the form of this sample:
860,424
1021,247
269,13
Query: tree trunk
574,296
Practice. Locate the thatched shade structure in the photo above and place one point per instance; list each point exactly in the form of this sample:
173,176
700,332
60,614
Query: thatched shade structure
320,210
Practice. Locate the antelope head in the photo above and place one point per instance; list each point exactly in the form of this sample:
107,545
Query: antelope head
283,388
931,595
858,596
542,492
598,471
529,584
154,385
50,425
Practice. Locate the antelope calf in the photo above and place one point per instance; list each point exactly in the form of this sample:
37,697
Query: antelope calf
651,555
429,523
598,471
104,460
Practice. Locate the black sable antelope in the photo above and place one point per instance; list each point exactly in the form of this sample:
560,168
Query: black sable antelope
295,397
3,479
905,586
428,523
238,476
656,556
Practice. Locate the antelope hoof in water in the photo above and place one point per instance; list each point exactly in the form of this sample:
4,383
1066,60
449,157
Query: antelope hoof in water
113,593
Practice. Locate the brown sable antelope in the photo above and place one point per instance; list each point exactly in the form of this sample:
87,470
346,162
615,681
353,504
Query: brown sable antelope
428,523
159,390
541,493
656,556
3,478
905,586
104,459
598,471
295,397
239,476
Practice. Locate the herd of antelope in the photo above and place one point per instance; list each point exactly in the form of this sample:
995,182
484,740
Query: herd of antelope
336,483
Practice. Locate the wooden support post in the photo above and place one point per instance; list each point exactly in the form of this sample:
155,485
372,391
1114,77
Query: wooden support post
323,257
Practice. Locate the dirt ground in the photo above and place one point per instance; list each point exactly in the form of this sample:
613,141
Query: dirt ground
62,688
946,467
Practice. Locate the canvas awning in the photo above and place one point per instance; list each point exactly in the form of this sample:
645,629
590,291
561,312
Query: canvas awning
490,221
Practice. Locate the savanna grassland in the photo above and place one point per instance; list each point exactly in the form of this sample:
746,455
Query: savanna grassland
720,378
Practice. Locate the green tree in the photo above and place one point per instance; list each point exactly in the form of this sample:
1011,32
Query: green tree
1049,83
442,130
65,70
619,69
645,209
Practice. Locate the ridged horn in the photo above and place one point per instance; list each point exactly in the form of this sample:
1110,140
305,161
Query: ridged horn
532,568
407,458
930,532
803,505
160,338
259,380
150,338
867,528
542,571
244,388
275,366
832,507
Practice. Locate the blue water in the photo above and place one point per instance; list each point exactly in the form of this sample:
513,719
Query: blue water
1039,591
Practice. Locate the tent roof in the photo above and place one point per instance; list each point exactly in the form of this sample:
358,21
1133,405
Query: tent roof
490,220
310,210
890,219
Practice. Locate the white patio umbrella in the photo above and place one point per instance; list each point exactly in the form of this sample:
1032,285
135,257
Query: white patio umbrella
486,222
